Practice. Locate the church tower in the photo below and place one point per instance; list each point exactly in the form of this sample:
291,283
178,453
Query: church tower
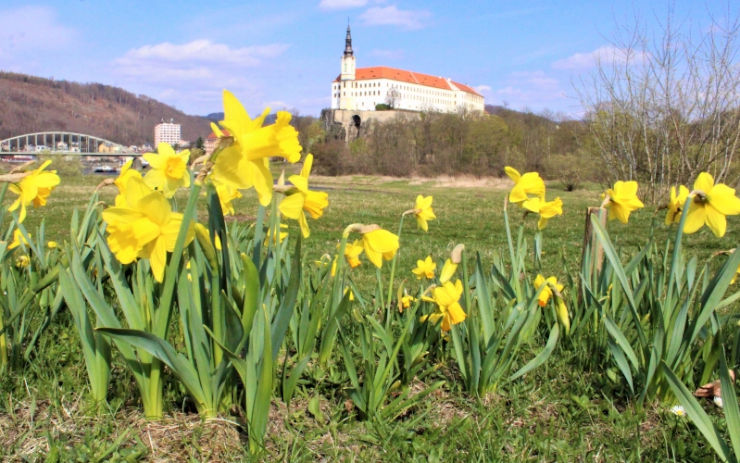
348,59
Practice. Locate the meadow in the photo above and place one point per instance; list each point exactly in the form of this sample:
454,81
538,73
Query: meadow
574,405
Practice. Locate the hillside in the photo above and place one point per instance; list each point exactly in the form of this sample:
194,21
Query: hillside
34,104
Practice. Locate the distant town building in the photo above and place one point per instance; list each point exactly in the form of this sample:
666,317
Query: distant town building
365,88
167,132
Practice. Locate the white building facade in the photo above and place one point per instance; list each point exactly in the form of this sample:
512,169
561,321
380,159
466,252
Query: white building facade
364,88
167,132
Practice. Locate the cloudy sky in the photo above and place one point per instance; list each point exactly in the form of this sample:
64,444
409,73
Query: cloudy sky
526,55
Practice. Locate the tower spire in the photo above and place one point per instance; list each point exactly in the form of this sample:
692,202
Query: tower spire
348,42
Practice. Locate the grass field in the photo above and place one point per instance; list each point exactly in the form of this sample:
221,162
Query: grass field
567,410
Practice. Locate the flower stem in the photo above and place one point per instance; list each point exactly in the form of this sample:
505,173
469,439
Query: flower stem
393,267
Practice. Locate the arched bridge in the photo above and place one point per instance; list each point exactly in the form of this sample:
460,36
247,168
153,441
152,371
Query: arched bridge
57,142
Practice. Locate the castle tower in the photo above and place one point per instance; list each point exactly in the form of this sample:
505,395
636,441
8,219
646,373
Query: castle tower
348,59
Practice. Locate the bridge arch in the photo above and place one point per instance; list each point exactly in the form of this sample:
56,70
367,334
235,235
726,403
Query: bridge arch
60,142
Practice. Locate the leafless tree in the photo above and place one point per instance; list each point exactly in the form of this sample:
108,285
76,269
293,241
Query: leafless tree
664,108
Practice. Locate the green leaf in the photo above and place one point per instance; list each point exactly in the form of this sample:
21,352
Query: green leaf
697,415
542,357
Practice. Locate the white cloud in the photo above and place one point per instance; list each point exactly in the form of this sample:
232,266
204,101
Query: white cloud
203,51
606,54
31,28
530,90
392,16
341,4
482,88
192,75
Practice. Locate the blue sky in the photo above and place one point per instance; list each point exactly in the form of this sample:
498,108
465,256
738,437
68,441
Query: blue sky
526,54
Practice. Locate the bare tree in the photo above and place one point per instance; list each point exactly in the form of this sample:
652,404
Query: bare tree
663,109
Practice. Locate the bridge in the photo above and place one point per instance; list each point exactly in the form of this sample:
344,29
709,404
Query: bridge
58,142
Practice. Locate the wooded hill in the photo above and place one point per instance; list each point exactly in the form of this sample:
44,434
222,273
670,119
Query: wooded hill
34,104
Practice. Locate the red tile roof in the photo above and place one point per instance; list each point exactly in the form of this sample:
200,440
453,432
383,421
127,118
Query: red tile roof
385,72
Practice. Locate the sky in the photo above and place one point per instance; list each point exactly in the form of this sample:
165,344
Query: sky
526,55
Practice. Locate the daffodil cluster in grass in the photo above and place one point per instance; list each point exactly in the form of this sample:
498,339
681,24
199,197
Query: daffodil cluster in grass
142,223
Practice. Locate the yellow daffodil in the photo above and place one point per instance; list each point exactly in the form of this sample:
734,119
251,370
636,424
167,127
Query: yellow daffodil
623,200
52,244
226,193
127,172
169,170
282,234
423,211
551,287
525,186
18,238
245,163
736,274
406,302
675,204
546,293
22,261
33,188
710,204
425,268
546,209
562,312
351,294
313,202
448,269
447,298
145,227
379,244
352,253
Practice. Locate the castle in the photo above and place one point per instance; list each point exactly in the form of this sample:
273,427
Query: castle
382,87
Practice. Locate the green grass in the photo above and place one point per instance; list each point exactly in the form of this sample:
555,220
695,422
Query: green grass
569,410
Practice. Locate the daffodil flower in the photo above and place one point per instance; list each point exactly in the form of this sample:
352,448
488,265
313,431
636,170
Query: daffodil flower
145,227
675,204
447,298
425,268
127,172
352,253
622,200
406,301
546,209
448,269
379,244
245,163
710,204
423,211
18,238
525,185
33,188
549,288
226,194
313,202
169,170
546,285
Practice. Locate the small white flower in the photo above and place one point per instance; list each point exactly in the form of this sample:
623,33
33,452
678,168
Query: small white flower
718,401
678,410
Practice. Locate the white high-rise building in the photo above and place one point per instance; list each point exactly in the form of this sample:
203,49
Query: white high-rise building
364,88
167,132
